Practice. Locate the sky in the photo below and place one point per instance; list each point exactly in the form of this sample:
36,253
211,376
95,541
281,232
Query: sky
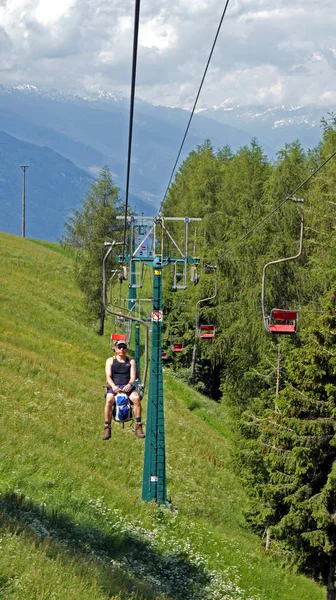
269,52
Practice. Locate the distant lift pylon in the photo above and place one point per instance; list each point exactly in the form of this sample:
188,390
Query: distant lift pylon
282,321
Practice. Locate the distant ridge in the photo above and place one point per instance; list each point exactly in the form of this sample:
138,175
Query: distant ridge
84,134
54,187
93,131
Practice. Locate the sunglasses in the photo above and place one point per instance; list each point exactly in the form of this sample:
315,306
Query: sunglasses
122,347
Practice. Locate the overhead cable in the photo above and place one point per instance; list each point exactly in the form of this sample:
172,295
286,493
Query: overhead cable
289,197
134,65
195,103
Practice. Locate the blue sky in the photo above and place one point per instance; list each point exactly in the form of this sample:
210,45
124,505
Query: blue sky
270,52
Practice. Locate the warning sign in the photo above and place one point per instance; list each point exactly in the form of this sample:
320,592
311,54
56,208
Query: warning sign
154,478
156,315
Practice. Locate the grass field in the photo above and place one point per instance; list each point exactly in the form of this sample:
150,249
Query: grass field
72,521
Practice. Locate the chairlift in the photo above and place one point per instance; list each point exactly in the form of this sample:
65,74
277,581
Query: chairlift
175,336
122,275
136,273
180,273
208,268
283,321
194,276
206,332
164,356
203,331
128,317
280,320
116,337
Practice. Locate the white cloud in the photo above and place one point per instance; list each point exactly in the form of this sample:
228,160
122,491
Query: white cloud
157,34
49,12
268,51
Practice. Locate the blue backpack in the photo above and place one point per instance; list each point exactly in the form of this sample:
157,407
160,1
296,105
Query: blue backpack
122,408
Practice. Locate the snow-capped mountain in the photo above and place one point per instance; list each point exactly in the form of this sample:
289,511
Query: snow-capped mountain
276,125
92,132
51,94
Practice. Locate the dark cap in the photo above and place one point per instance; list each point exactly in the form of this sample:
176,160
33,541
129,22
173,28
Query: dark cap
121,343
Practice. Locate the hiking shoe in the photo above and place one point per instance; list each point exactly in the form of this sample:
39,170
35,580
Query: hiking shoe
107,432
138,430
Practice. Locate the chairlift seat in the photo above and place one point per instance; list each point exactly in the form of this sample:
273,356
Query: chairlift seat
284,315
115,337
286,321
281,328
177,347
207,332
164,355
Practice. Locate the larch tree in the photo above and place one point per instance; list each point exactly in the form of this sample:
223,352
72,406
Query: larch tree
87,230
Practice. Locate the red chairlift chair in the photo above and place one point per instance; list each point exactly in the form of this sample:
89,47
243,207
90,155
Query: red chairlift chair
282,321
164,355
116,337
207,332
177,347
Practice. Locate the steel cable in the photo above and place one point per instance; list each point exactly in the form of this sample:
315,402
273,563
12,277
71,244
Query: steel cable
195,103
134,65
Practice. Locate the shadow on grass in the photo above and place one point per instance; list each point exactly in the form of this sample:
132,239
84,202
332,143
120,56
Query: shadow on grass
143,571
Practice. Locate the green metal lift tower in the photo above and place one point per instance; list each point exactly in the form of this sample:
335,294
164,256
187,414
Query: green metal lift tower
151,252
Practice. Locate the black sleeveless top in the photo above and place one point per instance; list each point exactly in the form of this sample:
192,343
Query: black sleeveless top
121,371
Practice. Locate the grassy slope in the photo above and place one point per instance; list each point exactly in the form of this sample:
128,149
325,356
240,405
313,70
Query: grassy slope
72,523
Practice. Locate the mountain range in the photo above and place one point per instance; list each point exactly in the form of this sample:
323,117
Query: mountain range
67,139
274,126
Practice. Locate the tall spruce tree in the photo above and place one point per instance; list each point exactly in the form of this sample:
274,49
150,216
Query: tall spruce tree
87,230
299,446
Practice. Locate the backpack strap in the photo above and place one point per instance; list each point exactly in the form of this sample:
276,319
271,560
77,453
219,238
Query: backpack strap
112,359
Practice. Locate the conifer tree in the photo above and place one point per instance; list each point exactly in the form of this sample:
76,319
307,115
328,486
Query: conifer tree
299,446
87,230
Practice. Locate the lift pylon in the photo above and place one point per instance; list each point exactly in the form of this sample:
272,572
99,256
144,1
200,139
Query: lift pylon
154,472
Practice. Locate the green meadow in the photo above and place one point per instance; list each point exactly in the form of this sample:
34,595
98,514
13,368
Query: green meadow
72,523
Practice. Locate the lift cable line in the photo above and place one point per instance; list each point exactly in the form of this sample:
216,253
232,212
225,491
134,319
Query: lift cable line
289,197
134,65
195,103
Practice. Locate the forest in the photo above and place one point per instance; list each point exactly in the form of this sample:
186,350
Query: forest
280,390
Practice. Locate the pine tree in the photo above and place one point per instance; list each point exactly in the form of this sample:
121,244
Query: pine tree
87,230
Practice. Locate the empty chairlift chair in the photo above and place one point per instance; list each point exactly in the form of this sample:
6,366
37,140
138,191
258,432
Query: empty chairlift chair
207,332
283,321
176,335
280,320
